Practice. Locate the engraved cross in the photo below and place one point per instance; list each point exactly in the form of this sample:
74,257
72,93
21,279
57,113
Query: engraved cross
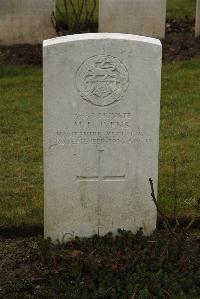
100,177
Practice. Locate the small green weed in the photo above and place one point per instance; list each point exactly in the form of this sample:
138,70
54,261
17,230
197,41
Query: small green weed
75,16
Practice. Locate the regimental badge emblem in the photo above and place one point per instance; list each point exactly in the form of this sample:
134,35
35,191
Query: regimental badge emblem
102,80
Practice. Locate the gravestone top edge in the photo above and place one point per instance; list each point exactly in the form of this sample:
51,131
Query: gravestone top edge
99,36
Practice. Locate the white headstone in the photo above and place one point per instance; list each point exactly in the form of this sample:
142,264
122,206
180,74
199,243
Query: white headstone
26,21
141,17
101,133
197,26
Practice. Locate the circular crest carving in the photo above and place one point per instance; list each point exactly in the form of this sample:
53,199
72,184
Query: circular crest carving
102,80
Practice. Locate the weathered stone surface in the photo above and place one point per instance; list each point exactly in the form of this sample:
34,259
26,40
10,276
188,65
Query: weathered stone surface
26,21
197,26
141,17
101,133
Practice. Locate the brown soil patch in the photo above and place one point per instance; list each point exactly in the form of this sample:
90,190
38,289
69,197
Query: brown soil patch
180,25
21,55
175,47
180,47
179,44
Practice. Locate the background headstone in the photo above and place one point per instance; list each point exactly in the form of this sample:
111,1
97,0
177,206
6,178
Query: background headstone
197,26
26,21
101,133
140,17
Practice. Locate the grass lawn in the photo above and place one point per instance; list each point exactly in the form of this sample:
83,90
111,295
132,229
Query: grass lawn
21,188
21,145
180,8
179,135
175,8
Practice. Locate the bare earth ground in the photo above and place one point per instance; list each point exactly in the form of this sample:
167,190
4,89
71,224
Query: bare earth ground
93,268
